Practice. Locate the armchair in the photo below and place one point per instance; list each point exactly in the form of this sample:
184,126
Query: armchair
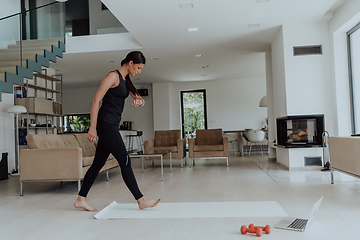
209,143
167,140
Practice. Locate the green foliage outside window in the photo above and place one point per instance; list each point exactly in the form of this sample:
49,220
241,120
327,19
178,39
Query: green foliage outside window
194,117
78,123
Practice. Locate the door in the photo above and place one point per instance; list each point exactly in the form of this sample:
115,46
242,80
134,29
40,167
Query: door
193,112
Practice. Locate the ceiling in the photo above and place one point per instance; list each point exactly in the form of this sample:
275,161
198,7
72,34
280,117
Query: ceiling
230,49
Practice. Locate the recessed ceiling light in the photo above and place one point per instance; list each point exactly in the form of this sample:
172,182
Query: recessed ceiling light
186,5
193,29
199,55
154,58
111,61
254,25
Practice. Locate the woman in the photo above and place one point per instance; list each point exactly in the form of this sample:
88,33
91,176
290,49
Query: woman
114,88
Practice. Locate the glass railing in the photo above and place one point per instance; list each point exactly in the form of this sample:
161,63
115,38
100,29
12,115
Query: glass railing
19,30
55,21
10,35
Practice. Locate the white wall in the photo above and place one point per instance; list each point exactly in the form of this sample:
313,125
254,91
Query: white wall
346,17
7,129
231,104
270,106
307,77
10,32
301,84
77,100
100,18
161,106
278,71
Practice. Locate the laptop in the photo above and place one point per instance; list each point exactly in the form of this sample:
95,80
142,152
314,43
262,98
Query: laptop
298,224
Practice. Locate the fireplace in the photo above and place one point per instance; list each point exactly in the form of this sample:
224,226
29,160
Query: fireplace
300,131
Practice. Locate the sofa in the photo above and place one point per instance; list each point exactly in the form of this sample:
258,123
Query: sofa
167,140
58,157
209,143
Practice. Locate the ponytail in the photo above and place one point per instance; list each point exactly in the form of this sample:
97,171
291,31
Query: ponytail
137,57
130,86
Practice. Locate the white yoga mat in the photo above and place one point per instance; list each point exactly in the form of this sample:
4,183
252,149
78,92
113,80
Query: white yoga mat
194,210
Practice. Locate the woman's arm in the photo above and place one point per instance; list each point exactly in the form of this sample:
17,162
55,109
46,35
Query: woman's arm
138,100
108,81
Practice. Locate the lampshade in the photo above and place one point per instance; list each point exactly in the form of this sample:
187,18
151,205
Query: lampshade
263,101
17,109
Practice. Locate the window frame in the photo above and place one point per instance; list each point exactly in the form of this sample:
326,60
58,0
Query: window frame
351,81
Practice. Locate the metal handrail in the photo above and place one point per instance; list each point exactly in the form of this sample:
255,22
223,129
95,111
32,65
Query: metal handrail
20,13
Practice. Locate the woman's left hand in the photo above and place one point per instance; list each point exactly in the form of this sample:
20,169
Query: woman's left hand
138,102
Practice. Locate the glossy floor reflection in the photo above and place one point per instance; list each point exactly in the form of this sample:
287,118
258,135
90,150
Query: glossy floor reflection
313,174
46,210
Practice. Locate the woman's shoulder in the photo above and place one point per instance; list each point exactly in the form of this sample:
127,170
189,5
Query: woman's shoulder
112,75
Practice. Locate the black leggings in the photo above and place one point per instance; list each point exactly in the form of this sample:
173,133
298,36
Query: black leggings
110,141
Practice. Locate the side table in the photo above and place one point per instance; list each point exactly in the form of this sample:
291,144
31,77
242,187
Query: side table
161,155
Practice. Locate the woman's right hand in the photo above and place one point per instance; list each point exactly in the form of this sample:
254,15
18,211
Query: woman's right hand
92,134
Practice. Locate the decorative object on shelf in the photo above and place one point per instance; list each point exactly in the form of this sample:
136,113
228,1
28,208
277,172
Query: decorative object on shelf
263,101
20,92
16,109
44,105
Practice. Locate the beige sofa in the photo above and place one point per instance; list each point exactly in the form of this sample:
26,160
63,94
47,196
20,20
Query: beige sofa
53,157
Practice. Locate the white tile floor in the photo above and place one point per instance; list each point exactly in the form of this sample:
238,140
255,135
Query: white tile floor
46,210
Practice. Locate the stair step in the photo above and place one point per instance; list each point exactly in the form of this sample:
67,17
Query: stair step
39,42
12,63
16,56
38,45
8,69
25,50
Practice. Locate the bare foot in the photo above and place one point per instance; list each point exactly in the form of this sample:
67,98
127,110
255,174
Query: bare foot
147,203
81,203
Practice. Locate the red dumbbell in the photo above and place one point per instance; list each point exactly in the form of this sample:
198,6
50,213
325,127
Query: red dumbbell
267,228
245,230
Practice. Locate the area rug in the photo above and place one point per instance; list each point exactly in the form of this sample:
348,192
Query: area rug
194,210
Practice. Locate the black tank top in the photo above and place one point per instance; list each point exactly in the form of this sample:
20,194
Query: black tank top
113,103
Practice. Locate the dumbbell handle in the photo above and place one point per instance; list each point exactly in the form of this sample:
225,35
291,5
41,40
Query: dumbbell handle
245,230
266,228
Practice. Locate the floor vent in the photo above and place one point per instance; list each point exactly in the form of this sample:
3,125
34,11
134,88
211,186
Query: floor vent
313,161
308,50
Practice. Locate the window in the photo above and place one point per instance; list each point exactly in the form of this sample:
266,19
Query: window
77,123
354,74
193,112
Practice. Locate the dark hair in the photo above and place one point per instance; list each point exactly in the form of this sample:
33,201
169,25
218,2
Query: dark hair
137,57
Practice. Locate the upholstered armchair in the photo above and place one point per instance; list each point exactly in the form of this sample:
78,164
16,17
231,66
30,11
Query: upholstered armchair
169,140
209,143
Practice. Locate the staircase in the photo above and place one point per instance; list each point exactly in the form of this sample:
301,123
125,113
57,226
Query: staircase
35,54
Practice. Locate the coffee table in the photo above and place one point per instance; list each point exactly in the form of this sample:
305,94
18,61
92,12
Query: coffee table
161,155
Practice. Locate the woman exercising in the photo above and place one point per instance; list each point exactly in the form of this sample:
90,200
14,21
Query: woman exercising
114,88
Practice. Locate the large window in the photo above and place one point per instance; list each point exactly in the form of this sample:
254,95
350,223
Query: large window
193,112
354,73
77,123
